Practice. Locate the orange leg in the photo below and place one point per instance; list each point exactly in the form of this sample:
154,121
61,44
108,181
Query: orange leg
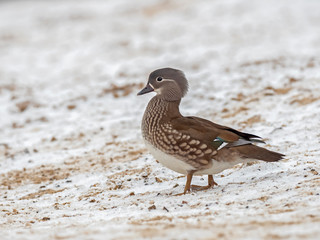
188,184
211,182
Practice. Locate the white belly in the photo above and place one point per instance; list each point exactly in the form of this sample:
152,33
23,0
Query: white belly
217,167
182,167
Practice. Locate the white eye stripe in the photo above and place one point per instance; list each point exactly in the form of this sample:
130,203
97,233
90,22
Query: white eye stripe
167,80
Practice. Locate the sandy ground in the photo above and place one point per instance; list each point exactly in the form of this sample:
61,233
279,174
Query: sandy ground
72,161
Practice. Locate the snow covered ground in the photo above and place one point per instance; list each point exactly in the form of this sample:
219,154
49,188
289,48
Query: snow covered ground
72,161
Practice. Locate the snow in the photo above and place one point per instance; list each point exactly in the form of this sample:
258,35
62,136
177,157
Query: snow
72,161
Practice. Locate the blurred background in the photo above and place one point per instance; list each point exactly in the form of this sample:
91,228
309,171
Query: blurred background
83,41
57,55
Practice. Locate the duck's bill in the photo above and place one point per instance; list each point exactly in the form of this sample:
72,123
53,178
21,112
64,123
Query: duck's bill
147,89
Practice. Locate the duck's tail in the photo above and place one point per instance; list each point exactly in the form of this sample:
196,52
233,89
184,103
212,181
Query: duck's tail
259,153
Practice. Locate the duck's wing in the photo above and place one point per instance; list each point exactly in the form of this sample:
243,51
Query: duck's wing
208,131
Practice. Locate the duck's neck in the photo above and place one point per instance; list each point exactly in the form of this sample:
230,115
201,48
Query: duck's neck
166,110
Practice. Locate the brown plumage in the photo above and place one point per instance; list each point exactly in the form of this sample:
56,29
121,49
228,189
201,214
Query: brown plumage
192,145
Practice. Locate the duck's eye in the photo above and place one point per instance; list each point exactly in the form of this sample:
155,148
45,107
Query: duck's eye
159,79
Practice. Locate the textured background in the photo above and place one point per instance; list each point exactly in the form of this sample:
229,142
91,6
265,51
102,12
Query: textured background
72,161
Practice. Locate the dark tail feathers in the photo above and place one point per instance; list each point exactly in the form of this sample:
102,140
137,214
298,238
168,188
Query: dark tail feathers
259,153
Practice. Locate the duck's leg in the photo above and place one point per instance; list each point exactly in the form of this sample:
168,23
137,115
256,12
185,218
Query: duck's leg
211,183
188,184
